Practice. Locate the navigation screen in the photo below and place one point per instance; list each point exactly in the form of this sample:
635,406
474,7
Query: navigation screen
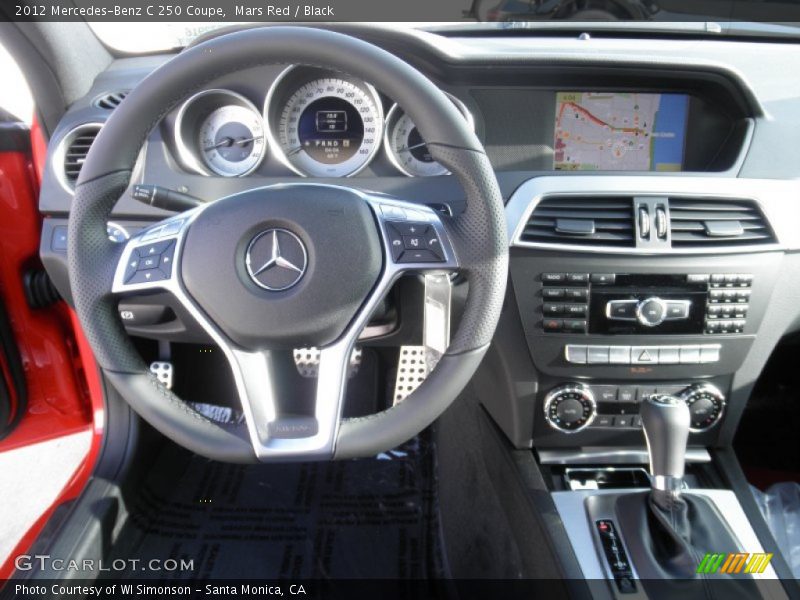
619,131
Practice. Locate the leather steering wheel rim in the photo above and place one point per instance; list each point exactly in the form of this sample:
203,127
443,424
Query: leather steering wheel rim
478,234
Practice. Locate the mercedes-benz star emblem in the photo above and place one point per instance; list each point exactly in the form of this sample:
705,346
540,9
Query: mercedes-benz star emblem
276,259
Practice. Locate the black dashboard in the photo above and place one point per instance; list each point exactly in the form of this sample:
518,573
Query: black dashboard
652,204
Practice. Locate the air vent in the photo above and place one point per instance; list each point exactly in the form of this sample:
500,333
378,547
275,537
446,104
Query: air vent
704,223
110,100
582,221
73,150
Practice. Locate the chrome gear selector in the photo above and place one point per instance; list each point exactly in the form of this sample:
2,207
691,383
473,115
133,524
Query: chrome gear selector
666,421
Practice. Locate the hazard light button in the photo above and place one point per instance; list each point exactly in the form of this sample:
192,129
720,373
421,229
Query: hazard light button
644,355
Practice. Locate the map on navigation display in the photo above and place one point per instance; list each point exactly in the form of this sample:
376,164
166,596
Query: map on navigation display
619,131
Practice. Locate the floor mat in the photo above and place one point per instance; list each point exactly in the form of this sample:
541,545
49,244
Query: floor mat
369,518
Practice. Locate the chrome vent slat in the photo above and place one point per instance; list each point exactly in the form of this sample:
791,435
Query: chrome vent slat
611,219
110,100
536,223
692,223
77,148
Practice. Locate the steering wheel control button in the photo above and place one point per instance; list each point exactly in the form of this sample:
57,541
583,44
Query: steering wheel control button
150,262
148,276
165,262
131,268
419,256
393,213
276,259
146,263
154,249
411,229
414,242
570,408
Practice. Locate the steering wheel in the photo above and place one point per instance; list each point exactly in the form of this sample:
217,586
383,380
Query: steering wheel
286,266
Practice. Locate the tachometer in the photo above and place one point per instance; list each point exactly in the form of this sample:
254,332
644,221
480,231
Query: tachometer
404,144
327,127
232,140
220,132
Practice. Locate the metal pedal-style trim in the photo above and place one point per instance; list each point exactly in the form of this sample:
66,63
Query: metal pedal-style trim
306,360
164,372
412,370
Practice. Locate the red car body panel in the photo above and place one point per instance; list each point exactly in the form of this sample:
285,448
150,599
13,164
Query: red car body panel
63,382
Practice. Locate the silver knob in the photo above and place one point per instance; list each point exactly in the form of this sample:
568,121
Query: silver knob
665,420
651,312
706,404
570,407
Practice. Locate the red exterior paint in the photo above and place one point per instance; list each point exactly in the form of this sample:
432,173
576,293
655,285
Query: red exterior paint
64,387
38,148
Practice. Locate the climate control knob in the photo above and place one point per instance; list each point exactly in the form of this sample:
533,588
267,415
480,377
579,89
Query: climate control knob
570,407
706,405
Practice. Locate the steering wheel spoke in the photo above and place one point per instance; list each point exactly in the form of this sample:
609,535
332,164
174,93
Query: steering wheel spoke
280,426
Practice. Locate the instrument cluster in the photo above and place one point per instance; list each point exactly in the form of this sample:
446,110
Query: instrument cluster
316,122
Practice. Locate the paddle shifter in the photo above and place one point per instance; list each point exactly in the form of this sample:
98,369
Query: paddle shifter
666,421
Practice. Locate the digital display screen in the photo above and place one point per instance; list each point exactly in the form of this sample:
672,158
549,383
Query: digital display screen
330,130
619,131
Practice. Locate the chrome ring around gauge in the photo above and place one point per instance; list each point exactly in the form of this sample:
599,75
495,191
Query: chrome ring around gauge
406,149
323,124
220,132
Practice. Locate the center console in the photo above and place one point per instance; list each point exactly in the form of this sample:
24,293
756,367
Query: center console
639,299
610,320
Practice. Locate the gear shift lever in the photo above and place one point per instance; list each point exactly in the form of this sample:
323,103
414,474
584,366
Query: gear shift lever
666,421
667,530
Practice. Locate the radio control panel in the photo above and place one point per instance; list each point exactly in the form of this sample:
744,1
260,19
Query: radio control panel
632,304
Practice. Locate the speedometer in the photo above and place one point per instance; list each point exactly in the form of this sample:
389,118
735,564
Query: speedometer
405,147
328,127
